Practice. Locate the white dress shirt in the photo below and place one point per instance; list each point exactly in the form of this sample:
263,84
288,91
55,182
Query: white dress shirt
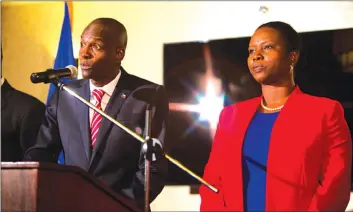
108,91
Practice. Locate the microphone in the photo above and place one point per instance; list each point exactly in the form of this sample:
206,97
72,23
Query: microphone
52,74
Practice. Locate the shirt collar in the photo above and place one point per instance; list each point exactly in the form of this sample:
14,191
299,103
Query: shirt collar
108,88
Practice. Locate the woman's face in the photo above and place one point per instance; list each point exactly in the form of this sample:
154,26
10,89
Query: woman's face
269,61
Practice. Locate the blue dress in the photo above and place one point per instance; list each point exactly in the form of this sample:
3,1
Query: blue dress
254,159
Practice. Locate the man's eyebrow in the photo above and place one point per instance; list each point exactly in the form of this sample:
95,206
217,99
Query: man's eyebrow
96,39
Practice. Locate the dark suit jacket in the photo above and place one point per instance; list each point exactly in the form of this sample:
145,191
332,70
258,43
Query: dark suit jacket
115,159
21,116
309,160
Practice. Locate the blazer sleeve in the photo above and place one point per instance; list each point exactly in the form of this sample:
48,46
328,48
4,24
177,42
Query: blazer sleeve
333,192
48,143
211,201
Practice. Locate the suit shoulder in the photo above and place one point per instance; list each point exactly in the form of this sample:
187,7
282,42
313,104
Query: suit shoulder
320,102
26,98
230,109
134,81
26,101
242,104
140,82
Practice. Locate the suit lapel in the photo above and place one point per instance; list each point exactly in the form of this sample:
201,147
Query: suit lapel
83,112
120,94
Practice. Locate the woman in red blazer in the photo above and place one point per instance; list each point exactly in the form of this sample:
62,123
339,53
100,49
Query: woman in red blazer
282,151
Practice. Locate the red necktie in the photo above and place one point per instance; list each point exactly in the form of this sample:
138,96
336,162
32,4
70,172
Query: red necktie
97,118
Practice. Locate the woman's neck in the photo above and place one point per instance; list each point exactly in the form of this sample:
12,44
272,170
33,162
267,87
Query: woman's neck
276,96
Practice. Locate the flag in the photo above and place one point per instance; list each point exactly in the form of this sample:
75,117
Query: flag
64,56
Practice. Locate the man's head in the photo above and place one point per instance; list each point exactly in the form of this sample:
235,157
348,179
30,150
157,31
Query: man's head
103,44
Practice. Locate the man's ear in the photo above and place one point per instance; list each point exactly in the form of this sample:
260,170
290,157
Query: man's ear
120,54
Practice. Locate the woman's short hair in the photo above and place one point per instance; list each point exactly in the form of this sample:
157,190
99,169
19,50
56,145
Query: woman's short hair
291,37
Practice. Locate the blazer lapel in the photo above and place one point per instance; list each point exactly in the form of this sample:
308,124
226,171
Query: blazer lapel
281,148
120,94
82,111
240,120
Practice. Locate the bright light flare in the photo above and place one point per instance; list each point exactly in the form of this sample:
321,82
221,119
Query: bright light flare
210,105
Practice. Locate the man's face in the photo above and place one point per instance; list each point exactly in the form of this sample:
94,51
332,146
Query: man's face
98,53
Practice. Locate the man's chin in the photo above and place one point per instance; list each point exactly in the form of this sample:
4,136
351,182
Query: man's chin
86,74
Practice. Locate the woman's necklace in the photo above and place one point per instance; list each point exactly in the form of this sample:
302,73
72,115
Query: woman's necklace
270,109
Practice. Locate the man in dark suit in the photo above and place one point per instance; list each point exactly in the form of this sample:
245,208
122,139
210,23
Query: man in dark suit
21,117
92,142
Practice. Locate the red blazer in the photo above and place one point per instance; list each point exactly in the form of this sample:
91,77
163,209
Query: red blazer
309,159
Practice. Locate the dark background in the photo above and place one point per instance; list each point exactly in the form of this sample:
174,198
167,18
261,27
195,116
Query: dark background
319,72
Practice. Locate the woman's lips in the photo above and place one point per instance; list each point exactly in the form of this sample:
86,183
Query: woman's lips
258,68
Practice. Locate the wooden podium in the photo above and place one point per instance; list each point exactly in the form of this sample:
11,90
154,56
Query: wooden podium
45,187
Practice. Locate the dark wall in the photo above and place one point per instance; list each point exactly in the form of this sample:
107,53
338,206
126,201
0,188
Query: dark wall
318,72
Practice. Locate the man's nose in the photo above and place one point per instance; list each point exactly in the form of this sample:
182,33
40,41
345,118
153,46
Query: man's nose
85,53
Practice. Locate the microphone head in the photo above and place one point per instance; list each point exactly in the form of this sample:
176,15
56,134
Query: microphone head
49,75
74,71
